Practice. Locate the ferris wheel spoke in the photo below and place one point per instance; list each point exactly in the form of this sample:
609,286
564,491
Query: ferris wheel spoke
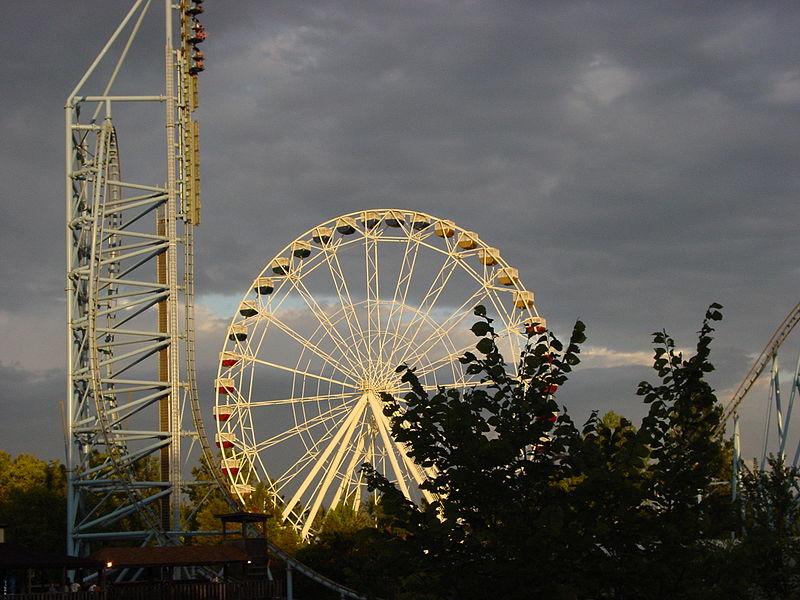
315,349
294,400
431,366
332,471
372,293
440,331
347,475
426,306
345,429
389,445
328,417
346,302
400,295
311,453
418,473
328,327
267,363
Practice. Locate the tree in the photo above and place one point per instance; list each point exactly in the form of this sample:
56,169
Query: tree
683,416
500,459
528,506
762,562
33,502
769,498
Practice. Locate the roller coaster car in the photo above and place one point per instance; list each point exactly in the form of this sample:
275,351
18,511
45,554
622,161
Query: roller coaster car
198,34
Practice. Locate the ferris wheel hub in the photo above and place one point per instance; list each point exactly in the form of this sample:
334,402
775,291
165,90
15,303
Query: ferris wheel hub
378,386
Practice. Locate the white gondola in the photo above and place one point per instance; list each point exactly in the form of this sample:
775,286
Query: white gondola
346,225
489,256
370,219
508,275
445,229
237,333
264,285
467,240
242,490
230,466
228,359
395,218
420,222
321,235
280,266
224,385
248,308
225,440
222,413
536,325
523,299
301,249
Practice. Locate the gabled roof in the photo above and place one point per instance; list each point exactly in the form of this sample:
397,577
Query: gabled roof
17,557
151,556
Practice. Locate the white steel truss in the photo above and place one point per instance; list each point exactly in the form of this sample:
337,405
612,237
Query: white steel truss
777,434
131,392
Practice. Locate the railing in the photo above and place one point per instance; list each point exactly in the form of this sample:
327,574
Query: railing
235,590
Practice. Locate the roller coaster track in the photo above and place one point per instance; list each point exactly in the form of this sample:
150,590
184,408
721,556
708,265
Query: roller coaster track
783,331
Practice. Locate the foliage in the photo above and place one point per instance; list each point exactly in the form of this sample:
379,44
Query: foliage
205,500
768,499
526,505
33,502
263,500
761,563
522,502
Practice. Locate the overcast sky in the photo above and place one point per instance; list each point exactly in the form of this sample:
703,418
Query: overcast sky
635,160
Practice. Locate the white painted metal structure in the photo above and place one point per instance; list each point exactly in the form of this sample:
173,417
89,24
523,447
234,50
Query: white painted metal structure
131,393
778,409
319,334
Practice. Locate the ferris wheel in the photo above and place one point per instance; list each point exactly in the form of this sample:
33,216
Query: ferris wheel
318,336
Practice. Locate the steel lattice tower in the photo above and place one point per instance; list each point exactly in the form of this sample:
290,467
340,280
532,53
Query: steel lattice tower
132,414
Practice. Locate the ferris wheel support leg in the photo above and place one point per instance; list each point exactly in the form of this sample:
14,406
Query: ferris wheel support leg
385,433
337,440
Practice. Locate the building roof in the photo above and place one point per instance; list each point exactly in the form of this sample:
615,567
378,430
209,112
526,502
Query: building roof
17,557
243,517
151,556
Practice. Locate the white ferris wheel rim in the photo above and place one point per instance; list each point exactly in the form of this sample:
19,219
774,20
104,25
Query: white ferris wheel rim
348,359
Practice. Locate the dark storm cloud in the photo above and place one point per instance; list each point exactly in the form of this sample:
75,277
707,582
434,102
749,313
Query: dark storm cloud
32,416
635,160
